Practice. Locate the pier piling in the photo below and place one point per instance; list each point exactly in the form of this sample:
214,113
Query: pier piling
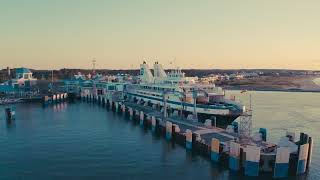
215,149
302,158
54,98
141,118
110,104
136,114
130,113
188,139
168,130
153,124
310,152
252,161
58,98
123,108
116,106
281,167
234,156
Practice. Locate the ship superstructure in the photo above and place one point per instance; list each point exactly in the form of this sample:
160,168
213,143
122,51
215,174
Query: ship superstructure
184,94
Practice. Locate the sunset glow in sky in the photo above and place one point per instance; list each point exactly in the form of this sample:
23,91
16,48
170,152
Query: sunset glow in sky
47,34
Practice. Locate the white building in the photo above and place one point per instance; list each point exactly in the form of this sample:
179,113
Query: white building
23,78
23,81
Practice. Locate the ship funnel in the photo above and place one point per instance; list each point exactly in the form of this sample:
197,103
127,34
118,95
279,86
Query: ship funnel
159,72
145,73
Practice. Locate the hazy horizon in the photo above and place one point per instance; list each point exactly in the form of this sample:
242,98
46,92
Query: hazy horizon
151,67
43,34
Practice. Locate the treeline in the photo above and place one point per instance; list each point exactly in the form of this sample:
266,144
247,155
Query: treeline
69,73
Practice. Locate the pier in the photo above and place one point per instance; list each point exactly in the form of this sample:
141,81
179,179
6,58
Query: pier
54,98
225,147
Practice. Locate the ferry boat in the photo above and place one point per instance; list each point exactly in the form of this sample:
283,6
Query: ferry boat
202,100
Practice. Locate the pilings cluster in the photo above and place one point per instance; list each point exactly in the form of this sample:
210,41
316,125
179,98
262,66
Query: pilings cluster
54,98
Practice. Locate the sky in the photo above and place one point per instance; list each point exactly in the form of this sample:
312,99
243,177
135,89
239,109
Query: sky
120,34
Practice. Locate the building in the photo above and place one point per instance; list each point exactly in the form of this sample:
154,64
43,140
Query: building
23,78
23,82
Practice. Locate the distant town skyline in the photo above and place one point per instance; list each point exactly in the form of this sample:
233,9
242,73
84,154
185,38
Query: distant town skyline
249,34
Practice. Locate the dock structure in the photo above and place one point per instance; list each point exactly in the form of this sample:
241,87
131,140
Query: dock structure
250,156
54,98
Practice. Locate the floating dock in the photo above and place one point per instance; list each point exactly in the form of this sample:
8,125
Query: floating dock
248,156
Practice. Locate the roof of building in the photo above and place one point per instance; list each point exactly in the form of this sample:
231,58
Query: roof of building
23,70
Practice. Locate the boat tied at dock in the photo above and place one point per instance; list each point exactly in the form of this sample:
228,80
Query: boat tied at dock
193,98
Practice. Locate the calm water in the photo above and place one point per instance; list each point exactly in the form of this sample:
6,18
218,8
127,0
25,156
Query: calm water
84,141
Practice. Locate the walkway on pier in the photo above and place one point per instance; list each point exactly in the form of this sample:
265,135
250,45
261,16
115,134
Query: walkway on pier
206,133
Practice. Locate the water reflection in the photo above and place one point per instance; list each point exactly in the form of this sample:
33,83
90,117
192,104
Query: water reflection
10,123
60,107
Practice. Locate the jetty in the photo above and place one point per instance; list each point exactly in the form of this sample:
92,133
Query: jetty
231,147
198,116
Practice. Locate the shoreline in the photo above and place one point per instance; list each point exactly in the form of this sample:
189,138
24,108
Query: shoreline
273,90
280,84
